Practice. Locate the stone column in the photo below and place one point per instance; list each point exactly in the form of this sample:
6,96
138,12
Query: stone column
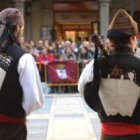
48,17
20,5
28,21
104,16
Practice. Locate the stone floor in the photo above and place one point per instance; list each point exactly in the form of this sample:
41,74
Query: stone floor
64,117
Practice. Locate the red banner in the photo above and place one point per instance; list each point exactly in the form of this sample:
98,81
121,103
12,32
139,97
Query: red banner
62,72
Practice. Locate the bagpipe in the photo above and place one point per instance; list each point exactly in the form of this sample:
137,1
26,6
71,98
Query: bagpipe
91,95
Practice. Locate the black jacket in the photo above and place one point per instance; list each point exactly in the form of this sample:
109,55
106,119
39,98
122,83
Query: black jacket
11,92
119,66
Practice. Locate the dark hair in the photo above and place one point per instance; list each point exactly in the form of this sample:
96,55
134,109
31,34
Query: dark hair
119,44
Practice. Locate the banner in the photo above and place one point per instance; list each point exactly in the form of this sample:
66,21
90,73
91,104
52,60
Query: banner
62,72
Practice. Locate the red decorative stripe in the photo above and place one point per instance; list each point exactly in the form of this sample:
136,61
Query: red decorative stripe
9,119
120,129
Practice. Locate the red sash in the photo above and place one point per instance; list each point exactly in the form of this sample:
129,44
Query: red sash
9,119
120,129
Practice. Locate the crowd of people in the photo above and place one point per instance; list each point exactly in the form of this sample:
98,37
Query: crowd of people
45,51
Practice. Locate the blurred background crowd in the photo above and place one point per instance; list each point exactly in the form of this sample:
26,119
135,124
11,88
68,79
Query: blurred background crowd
45,51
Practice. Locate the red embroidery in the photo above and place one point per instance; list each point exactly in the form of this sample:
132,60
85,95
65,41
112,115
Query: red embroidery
116,72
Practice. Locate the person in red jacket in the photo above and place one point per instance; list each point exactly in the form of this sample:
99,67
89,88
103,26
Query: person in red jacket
45,57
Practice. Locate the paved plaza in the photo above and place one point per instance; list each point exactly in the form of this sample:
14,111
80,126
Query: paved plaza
64,117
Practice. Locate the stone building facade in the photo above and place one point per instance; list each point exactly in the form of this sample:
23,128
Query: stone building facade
63,19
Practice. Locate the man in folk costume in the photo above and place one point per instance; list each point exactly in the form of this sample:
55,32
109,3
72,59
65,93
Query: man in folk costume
20,86
119,90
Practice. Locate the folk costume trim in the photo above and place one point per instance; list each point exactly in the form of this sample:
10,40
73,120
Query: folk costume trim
5,62
116,72
119,92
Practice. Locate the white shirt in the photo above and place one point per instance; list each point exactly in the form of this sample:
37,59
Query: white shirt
137,54
29,79
86,76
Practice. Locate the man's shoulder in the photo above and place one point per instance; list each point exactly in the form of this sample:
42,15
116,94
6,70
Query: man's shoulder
15,50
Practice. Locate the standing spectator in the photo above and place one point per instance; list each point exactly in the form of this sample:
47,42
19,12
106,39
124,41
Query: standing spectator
85,42
45,43
78,42
45,56
21,91
119,90
85,56
69,54
61,48
75,49
27,46
38,49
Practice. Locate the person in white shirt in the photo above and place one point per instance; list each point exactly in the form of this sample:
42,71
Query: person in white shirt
20,91
117,97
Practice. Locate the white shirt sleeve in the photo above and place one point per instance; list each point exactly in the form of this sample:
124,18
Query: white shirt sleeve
86,76
33,98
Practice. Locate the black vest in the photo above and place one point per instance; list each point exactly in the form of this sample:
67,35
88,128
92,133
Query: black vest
127,62
11,93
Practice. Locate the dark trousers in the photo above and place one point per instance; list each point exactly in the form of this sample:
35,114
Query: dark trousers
12,131
130,137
